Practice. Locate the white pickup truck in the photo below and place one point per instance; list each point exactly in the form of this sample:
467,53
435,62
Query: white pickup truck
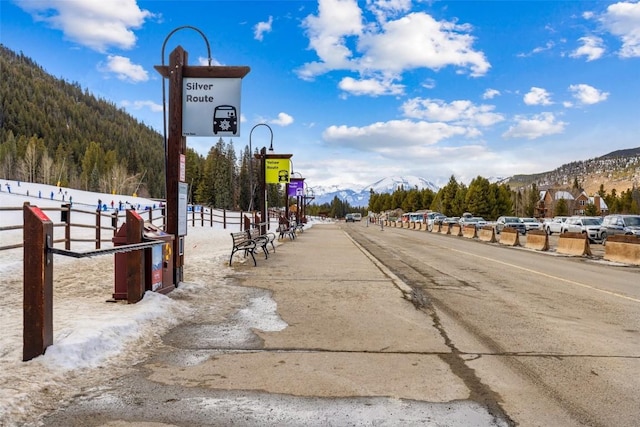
554,225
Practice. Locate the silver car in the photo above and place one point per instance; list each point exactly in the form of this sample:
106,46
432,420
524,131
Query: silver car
531,224
510,221
620,224
585,225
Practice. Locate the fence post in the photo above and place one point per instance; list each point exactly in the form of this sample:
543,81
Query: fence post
38,283
246,221
67,226
211,217
224,219
202,216
114,222
98,224
193,216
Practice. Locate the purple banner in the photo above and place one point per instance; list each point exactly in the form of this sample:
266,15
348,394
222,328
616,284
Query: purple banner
296,187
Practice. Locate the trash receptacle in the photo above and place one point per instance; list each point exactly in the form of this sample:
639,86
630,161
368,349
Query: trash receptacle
158,261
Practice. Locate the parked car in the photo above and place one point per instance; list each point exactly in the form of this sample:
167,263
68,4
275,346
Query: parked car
349,218
450,220
531,224
476,221
433,218
510,221
585,225
554,225
619,224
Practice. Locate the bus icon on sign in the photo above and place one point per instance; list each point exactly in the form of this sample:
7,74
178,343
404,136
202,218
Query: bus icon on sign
225,119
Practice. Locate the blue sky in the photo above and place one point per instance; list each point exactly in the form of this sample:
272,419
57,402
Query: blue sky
358,91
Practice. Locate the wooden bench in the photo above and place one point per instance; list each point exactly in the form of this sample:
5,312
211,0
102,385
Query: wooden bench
286,230
262,240
243,242
269,235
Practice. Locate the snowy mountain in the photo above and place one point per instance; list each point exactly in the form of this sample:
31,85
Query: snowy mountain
360,196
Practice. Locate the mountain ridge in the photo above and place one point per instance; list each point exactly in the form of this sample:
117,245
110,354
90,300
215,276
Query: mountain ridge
619,170
360,197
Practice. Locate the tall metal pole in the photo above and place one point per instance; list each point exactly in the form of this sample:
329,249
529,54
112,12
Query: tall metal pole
263,192
251,160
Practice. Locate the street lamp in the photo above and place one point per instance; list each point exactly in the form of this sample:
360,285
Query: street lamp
251,160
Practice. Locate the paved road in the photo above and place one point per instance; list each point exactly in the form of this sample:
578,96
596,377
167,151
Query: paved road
349,325
317,335
556,338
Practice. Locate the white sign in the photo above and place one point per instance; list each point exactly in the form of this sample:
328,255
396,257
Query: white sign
183,193
211,106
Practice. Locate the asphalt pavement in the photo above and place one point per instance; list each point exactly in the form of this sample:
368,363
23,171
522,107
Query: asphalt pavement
319,334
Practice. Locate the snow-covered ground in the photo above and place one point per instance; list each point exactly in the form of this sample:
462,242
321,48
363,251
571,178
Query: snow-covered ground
93,338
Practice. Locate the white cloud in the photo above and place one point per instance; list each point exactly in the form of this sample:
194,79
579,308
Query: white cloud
429,84
490,93
587,95
382,9
417,40
537,96
622,19
327,32
535,127
139,105
124,69
592,48
97,24
283,120
372,86
460,112
205,61
388,47
262,27
403,133
548,46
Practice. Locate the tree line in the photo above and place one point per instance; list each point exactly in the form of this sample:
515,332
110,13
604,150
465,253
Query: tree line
481,198
54,132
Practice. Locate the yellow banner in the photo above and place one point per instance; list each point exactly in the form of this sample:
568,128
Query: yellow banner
277,171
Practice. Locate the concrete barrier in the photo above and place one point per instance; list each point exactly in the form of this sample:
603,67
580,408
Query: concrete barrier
445,228
470,232
510,237
436,228
538,240
625,249
573,244
455,230
487,234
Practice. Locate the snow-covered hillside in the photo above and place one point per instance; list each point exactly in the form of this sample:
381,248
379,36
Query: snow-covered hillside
360,196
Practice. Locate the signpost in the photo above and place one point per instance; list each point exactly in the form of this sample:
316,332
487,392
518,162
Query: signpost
203,101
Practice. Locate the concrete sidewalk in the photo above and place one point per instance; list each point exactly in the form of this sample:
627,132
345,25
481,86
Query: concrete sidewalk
346,348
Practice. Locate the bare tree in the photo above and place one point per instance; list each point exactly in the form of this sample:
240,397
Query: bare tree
29,165
46,169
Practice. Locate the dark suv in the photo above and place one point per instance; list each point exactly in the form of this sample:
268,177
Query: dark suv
510,221
619,224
